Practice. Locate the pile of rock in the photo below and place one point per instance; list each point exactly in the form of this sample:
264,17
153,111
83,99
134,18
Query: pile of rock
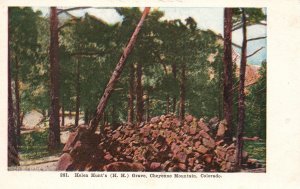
163,144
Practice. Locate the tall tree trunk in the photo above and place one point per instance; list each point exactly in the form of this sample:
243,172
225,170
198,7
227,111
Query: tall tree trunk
131,95
139,94
168,104
220,104
241,97
77,93
147,113
12,153
17,97
54,129
86,116
228,86
62,115
113,117
182,93
116,74
174,71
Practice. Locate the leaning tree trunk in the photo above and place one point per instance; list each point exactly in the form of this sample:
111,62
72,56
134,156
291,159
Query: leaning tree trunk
182,93
12,153
116,74
139,94
77,93
241,98
131,95
228,86
17,98
54,129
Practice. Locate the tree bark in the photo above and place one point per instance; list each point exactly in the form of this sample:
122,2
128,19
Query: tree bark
241,98
113,116
86,116
220,96
174,71
17,98
62,115
147,107
116,74
168,104
182,93
77,92
139,94
12,153
54,129
228,86
131,95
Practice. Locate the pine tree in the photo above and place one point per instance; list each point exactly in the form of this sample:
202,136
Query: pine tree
228,85
54,126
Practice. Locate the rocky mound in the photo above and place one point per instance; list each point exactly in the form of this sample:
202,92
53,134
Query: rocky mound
163,144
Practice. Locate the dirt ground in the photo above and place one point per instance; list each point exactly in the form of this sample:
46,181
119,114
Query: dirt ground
43,164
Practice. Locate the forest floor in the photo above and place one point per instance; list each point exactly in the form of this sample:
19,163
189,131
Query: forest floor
34,155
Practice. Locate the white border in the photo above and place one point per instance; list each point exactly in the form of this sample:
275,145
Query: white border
283,104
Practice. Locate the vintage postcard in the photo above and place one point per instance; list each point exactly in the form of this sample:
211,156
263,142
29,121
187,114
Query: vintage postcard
159,94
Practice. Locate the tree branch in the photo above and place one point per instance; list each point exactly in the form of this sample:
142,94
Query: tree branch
257,38
70,22
250,24
233,44
255,52
238,26
65,25
92,53
87,53
71,9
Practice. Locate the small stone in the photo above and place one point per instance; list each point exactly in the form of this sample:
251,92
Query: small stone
64,162
181,156
162,117
204,134
155,166
230,158
197,144
202,149
221,152
176,122
191,162
209,142
208,158
221,130
155,119
203,126
189,118
193,130
108,156
124,166
182,166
